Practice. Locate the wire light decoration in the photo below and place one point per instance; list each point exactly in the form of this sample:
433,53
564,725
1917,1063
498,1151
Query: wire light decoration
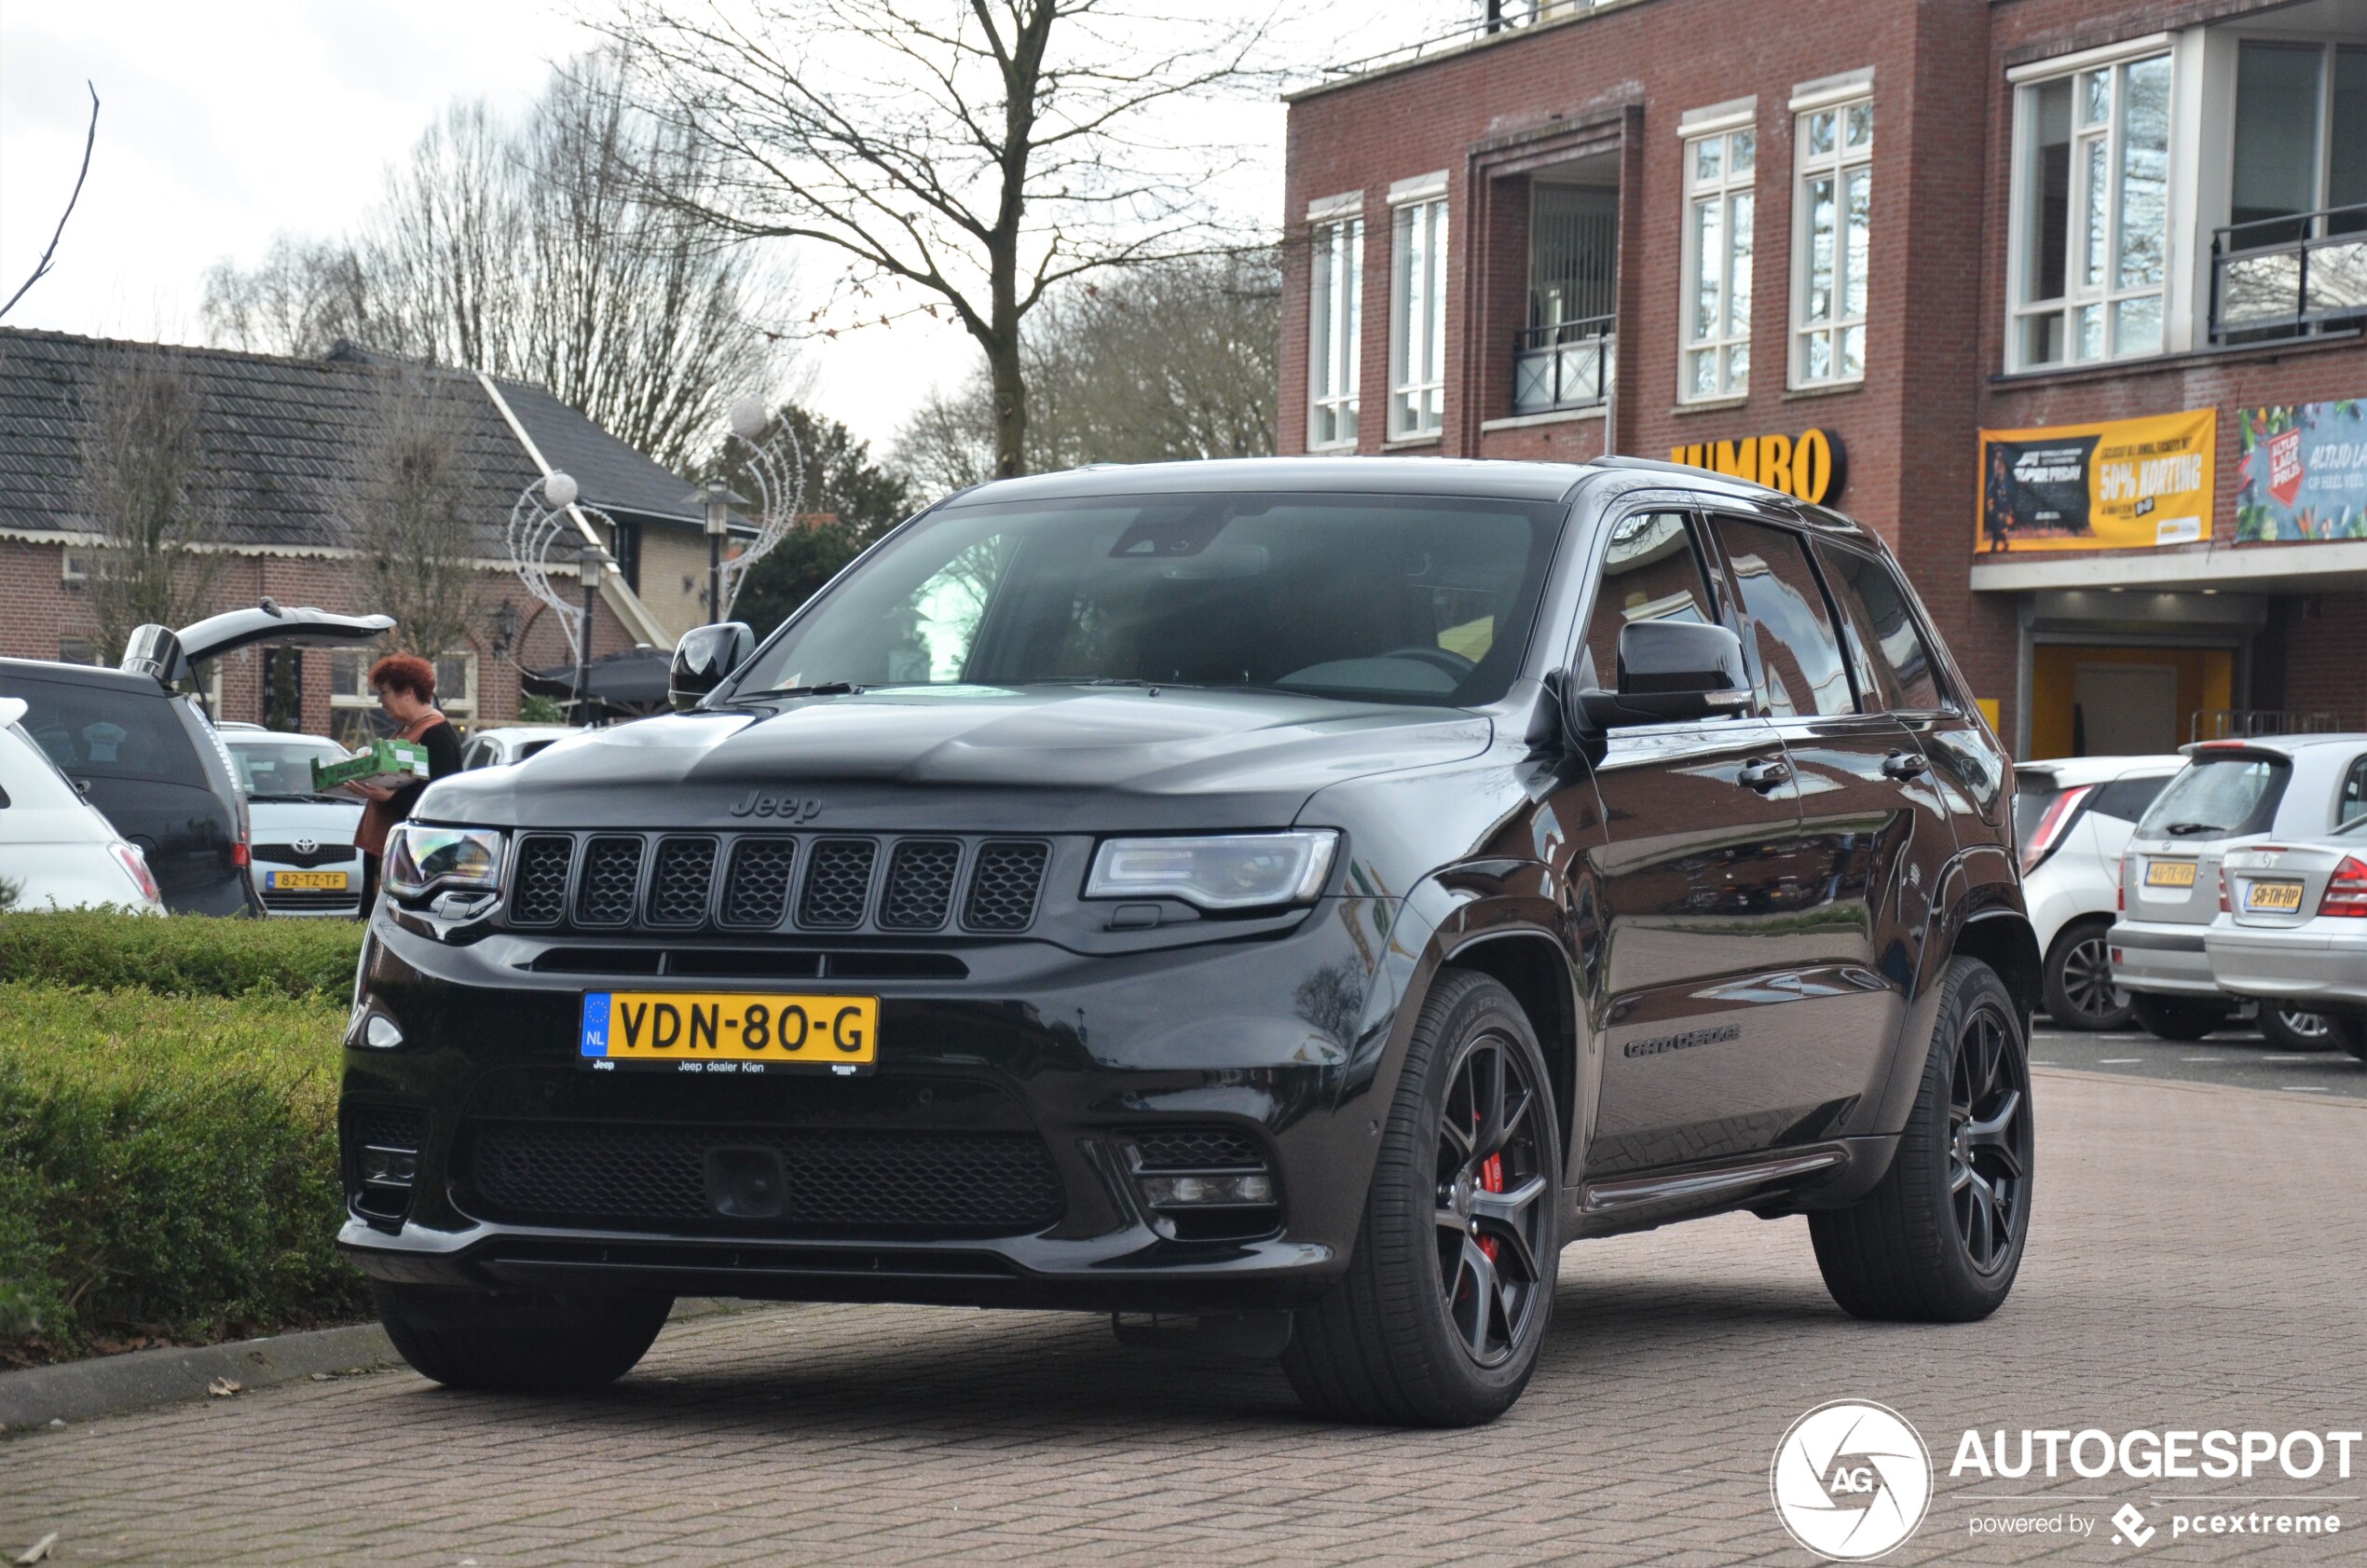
776,470
544,538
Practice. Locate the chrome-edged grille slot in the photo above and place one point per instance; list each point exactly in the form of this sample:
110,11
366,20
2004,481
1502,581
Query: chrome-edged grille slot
1005,885
837,884
682,883
538,895
756,885
920,884
610,884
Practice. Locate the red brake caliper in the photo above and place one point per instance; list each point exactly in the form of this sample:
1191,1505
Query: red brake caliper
1491,1180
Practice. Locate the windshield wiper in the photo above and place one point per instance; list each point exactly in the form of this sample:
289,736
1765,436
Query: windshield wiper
820,688
2184,829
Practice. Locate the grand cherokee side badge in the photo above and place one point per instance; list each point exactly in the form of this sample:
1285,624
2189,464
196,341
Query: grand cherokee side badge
789,807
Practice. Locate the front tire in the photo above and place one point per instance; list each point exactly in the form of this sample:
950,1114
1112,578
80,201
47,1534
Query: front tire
2078,979
1438,1320
1939,1239
2173,1018
519,1342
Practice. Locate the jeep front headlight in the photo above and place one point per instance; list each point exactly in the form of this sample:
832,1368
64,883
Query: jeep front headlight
1229,871
419,858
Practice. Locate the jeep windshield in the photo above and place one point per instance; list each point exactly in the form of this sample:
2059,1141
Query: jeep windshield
1366,598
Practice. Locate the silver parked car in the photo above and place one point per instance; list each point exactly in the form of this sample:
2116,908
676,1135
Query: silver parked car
2231,795
510,742
2293,927
303,862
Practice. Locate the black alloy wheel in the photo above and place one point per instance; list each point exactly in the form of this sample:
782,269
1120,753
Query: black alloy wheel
1492,1197
1989,1137
2080,992
1438,1317
1939,1238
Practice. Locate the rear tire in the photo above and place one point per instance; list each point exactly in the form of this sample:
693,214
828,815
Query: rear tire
2078,979
519,1342
2350,1034
1438,1319
1939,1239
2292,1029
2174,1018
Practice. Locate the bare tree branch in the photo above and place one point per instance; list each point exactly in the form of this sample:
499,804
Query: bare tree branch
41,269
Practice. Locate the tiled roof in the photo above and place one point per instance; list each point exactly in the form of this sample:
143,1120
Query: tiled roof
285,439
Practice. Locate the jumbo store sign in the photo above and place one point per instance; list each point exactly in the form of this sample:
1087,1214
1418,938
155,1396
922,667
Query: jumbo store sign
1812,465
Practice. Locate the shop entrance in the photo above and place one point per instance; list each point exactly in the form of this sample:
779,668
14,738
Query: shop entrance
2103,700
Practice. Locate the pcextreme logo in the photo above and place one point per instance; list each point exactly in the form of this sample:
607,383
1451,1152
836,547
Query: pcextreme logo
1851,1480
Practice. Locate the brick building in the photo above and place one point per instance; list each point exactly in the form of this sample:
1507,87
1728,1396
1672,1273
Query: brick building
281,443
2063,296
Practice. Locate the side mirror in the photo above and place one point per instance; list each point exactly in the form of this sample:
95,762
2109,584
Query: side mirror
704,656
1670,671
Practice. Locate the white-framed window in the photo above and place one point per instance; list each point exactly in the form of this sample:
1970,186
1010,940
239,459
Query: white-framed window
1417,312
353,703
1833,225
2091,256
1720,170
1336,324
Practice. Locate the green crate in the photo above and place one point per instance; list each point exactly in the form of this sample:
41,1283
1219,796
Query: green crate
386,763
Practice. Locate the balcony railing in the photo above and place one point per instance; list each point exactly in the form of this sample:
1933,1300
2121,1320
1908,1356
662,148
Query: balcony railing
2289,275
1569,364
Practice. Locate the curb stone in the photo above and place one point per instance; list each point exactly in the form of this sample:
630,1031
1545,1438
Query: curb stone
110,1385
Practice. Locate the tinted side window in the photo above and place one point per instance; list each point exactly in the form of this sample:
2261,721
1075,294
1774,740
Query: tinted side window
2127,798
1872,597
96,731
2354,797
1798,666
1652,572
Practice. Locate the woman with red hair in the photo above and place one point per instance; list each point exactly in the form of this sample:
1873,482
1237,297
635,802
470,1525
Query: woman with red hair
405,687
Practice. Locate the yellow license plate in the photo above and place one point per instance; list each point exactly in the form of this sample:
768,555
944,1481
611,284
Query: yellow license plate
312,882
730,1031
2278,897
2170,874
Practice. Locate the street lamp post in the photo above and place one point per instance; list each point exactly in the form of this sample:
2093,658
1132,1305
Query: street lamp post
591,562
716,498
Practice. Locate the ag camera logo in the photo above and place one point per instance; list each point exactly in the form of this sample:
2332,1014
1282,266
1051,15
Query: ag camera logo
1851,1480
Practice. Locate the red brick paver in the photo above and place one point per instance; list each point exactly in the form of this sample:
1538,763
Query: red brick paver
2197,1264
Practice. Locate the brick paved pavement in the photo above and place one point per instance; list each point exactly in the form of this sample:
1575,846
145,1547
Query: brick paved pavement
2197,1263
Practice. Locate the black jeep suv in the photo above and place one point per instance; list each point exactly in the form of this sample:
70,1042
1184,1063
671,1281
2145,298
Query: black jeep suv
1296,896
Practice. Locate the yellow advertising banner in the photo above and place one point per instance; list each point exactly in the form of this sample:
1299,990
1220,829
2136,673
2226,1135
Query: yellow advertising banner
2113,485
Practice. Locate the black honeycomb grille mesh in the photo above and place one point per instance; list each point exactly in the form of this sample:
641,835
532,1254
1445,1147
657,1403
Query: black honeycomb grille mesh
1197,1148
627,1176
384,1127
1003,887
604,894
541,896
837,884
681,881
756,893
920,884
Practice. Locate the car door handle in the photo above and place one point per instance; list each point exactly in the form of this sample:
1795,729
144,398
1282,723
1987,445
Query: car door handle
1904,765
1764,774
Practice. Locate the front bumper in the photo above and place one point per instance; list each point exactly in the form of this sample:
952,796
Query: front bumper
309,904
2303,964
2158,958
1279,1041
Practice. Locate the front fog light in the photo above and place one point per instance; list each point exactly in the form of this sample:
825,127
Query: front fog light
389,1167
1191,1192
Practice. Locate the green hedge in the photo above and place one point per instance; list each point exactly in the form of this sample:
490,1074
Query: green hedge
167,1165
180,955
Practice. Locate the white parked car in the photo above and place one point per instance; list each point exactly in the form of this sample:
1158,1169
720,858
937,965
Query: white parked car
2074,817
303,860
2292,929
2231,796
56,850
512,743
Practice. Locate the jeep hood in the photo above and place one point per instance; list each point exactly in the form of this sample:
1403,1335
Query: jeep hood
976,759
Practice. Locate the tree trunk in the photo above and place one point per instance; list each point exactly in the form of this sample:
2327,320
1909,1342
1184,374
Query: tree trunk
1010,403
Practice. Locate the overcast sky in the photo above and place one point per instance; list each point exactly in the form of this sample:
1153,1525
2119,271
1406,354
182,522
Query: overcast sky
228,121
